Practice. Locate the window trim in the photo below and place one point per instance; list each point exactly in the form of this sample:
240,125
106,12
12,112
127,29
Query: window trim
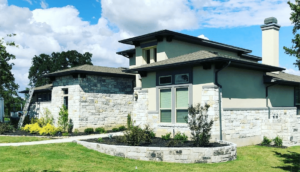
173,89
181,74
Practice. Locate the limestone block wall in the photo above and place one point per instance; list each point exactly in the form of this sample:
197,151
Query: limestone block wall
168,154
248,126
37,109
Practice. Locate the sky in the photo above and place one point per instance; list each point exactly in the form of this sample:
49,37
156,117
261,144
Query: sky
96,26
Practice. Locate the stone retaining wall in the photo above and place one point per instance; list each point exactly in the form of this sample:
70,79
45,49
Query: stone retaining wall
165,154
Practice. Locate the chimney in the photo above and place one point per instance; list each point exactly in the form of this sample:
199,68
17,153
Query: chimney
270,42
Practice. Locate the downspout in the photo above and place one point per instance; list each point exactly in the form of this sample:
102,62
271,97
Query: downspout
267,98
220,97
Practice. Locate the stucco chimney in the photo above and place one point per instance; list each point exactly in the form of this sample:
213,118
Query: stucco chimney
270,42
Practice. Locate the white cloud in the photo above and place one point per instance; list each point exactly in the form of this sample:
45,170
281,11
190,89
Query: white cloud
292,71
44,4
29,1
203,37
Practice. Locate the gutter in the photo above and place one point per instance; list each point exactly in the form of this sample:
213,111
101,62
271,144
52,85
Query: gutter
220,97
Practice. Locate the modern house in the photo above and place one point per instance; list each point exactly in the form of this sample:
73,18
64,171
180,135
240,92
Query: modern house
248,99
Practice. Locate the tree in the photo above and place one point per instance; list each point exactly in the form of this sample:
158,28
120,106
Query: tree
44,64
8,87
295,18
63,118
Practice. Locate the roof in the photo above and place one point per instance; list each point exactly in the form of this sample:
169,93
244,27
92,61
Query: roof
251,57
127,53
43,88
204,56
183,37
282,78
90,69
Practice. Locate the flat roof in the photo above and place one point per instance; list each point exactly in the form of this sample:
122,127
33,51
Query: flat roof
47,87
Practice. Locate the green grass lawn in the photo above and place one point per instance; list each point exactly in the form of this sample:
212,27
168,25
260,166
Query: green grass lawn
73,157
17,139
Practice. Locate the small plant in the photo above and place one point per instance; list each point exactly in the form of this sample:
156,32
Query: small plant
5,128
115,129
134,136
76,131
100,130
129,121
149,134
173,143
70,126
63,118
89,130
122,128
152,134
199,124
100,140
46,118
166,137
65,134
182,137
266,141
277,141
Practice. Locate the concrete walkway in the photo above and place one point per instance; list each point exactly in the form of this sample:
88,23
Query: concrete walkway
63,140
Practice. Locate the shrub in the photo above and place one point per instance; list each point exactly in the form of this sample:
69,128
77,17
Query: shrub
149,134
181,137
115,129
70,126
34,128
89,130
199,124
129,121
48,130
65,134
46,118
63,118
277,141
100,130
122,128
5,128
266,141
166,137
134,136
76,131
26,120
100,140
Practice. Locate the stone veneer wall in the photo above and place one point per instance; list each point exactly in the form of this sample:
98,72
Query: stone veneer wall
167,154
241,126
94,101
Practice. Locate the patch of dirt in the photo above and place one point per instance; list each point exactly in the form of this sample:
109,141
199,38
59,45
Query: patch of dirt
156,142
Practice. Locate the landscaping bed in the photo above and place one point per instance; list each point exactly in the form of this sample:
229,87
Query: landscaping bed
156,142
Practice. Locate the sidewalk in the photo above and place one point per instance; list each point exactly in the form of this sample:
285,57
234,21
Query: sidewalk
64,140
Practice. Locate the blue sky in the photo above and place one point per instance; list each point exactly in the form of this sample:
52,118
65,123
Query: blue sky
45,26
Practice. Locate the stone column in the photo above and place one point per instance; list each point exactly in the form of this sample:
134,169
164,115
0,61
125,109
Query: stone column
140,107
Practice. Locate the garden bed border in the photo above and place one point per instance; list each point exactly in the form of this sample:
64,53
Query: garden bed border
168,154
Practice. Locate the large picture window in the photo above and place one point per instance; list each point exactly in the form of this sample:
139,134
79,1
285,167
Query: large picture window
173,104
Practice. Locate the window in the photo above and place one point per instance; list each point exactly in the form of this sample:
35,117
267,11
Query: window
297,99
65,90
182,103
173,111
163,80
155,55
147,56
181,78
43,97
165,105
66,103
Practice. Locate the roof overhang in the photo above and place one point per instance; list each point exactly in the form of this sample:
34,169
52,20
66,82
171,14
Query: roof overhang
273,80
89,72
169,35
127,53
236,63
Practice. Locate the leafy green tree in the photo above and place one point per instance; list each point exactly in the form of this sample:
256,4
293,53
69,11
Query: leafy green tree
44,64
8,87
295,19
63,118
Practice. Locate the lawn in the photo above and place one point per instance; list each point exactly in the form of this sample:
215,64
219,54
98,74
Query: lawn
17,139
73,157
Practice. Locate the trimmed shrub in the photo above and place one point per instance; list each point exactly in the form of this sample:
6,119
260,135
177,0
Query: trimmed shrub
266,141
122,128
134,136
100,130
181,137
115,129
89,130
277,141
166,137
5,128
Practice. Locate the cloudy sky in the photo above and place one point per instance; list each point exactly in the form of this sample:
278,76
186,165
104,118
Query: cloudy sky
95,26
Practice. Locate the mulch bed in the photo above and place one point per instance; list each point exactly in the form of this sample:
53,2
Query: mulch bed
24,133
273,146
156,142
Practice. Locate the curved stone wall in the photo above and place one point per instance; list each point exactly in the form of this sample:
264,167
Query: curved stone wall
168,154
